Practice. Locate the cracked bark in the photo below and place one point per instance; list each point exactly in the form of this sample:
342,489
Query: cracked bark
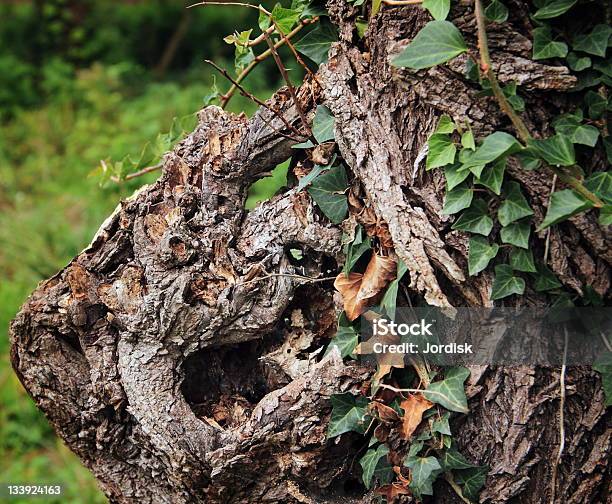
159,354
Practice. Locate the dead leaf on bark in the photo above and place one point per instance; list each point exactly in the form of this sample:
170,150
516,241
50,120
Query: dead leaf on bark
381,432
362,290
414,407
402,479
374,226
383,412
392,491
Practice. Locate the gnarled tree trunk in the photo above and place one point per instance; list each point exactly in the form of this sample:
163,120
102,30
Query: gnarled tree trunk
176,355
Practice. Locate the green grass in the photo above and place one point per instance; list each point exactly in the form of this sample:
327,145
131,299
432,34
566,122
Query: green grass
50,208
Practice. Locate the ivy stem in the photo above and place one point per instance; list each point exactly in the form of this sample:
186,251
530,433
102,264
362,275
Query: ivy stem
487,68
517,122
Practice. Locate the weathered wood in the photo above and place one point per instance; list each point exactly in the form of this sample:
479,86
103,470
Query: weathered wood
176,355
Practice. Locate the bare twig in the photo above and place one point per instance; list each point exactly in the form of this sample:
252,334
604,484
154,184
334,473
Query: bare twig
553,482
254,98
260,57
306,279
239,4
283,71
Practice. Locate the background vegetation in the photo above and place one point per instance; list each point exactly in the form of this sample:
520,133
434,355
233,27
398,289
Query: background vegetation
82,81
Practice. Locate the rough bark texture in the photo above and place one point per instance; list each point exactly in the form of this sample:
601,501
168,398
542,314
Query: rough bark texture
172,357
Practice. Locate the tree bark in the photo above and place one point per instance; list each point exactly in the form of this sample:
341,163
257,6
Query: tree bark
179,354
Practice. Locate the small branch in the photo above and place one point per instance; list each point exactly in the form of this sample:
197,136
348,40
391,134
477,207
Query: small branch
144,171
259,58
289,275
486,67
239,4
259,102
553,482
283,71
134,175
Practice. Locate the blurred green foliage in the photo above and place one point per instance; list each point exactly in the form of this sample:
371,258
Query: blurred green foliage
80,82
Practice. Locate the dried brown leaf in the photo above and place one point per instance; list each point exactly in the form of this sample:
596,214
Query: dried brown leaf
414,407
362,290
392,491
384,412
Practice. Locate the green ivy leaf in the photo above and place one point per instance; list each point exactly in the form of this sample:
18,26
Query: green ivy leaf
564,204
603,365
514,206
323,125
439,9
449,392
389,300
467,140
471,480
605,215
557,150
480,254
285,19
375,466
475,219
597,104
604,66
438,42
545,279
441,151
453,459
600,184
354,250
607,141
545,47
375,7
522,260
423,472
553,8
569,125
346,338
328,192
457,199
441,425
493,176
496,12
349,413
316,44
308,178
578,63
494,146
529,161
313,8
454,175
445,125
516,234
595,42
362,26
505,283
